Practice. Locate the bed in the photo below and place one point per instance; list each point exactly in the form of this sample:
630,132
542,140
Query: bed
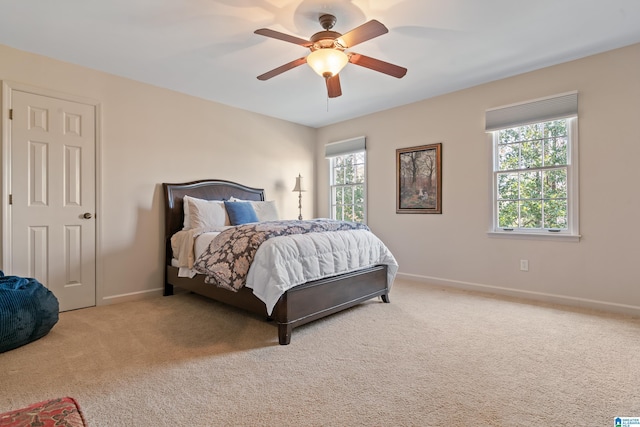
299,305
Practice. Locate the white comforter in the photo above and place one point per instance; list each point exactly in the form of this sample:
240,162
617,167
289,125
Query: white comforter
287,261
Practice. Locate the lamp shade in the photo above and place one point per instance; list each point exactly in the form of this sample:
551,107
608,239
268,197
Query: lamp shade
299,184
327,62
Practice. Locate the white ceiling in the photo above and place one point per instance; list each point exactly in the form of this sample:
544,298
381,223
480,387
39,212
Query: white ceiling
207,48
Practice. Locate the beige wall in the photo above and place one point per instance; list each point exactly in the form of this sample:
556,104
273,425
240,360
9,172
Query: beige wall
152,135
453,248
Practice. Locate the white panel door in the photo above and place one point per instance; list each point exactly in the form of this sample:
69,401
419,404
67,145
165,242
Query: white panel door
53,227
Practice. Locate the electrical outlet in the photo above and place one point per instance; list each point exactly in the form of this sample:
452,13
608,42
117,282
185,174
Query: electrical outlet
524,265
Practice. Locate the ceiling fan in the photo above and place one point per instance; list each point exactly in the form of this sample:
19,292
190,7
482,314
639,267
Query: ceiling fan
328,55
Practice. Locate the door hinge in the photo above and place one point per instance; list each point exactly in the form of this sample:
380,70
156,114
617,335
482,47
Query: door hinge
10,199
11,114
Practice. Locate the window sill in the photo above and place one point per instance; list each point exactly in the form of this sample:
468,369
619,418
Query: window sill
534,236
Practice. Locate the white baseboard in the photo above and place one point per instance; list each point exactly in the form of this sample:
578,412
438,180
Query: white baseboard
132,296
606,306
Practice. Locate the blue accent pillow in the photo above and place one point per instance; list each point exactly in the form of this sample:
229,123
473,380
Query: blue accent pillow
240,212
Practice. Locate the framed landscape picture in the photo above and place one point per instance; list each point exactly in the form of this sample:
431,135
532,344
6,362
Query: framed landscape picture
419,179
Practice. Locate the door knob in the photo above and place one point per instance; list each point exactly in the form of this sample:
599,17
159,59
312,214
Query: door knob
87,215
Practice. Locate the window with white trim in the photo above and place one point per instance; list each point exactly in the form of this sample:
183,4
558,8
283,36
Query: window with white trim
535,178
347,180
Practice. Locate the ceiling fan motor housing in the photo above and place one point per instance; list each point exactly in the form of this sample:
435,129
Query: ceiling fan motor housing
325,39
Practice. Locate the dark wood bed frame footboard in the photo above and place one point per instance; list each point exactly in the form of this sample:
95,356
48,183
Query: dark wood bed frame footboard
299,305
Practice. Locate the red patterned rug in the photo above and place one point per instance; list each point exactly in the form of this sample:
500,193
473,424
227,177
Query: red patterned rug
55,412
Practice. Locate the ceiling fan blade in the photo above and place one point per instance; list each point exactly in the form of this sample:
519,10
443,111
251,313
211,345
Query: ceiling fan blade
333,86
282,36
364,32
281,69
377,65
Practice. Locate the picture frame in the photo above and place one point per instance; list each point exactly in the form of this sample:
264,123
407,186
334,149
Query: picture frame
419,179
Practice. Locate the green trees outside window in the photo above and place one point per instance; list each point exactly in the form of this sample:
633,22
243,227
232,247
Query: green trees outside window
531,176
348,187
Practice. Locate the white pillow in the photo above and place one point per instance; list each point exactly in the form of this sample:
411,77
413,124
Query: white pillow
186,224
266,211
199,213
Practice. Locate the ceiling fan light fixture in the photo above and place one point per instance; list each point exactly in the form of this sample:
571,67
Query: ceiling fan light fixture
327,62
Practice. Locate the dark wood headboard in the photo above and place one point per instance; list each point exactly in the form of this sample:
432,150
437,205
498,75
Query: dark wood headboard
207,189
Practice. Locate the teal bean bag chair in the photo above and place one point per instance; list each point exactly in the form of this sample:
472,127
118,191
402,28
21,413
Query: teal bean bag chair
28,311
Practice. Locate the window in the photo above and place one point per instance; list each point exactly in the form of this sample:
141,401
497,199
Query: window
535,170
348,187
347,165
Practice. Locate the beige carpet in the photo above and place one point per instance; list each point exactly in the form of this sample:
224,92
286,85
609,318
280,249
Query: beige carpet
432,357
